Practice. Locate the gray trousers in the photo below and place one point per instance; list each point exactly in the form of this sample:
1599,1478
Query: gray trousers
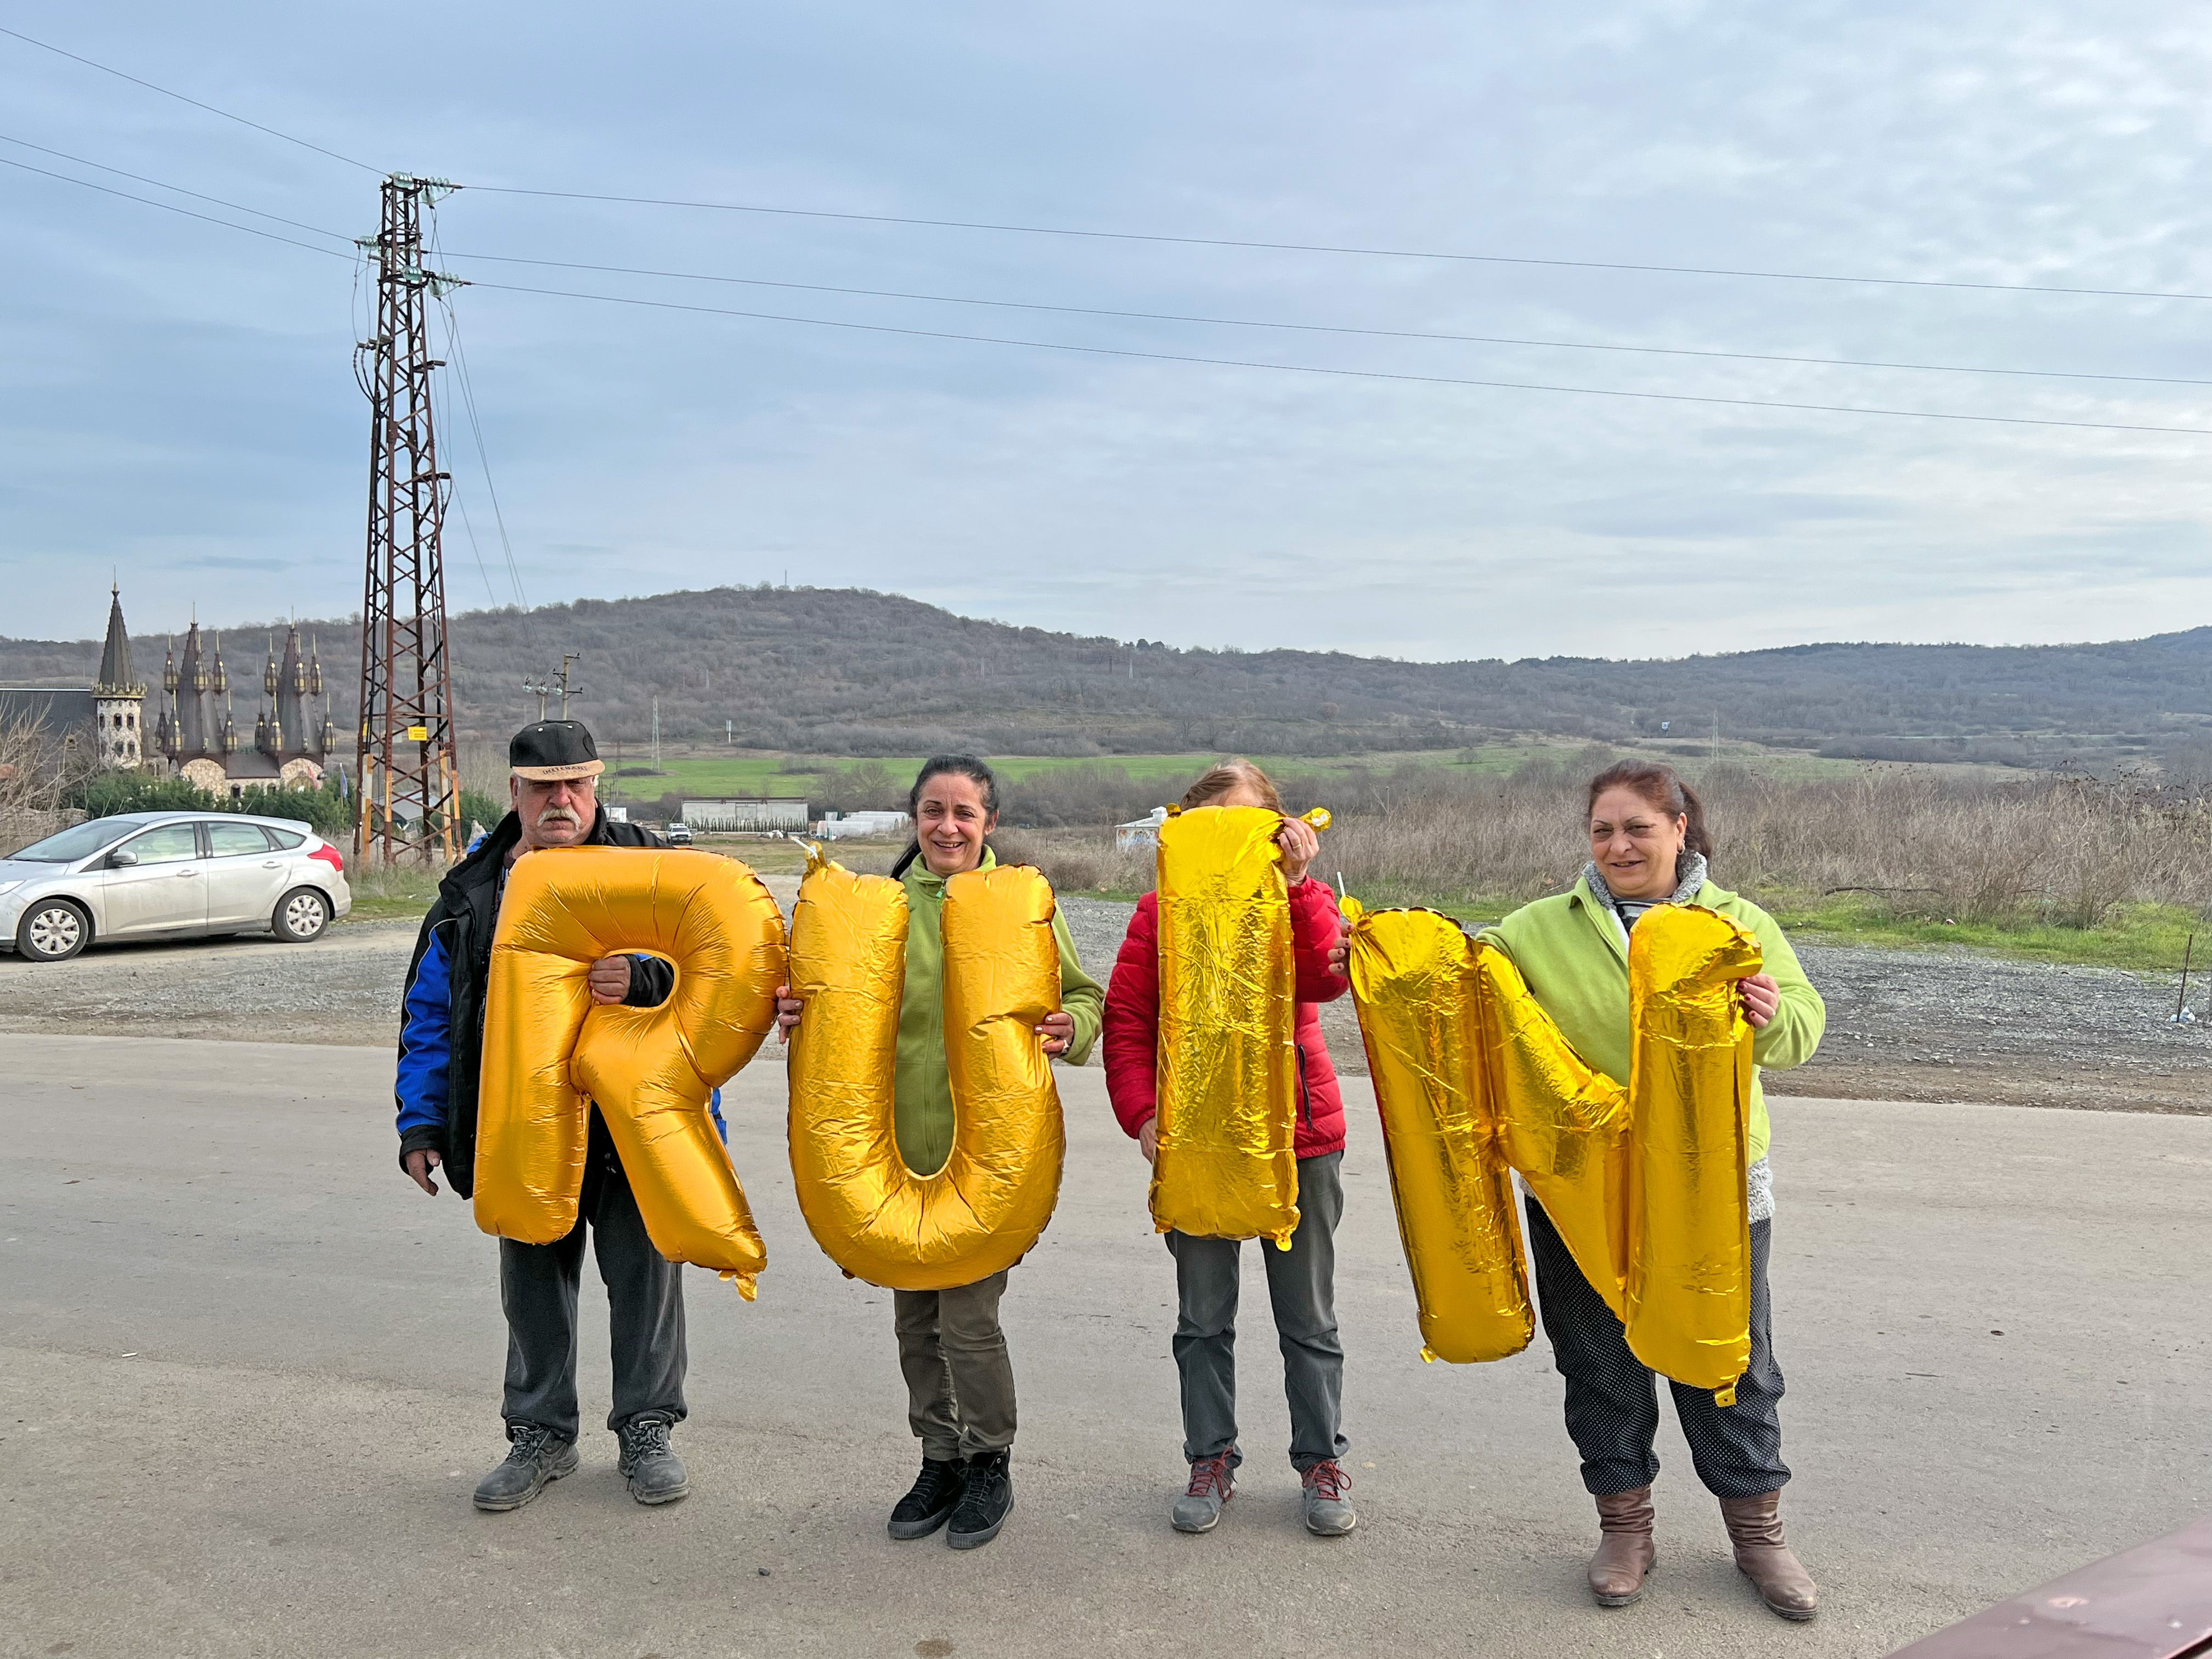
959,1378
1302,1289
538,1285
1613,1402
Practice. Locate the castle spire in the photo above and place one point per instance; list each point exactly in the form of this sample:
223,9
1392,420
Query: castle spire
117,678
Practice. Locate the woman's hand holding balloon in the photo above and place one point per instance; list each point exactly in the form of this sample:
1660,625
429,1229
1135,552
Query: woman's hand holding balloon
1762,997
1300,842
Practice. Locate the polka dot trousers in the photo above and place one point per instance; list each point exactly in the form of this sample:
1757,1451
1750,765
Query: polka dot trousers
1613,1403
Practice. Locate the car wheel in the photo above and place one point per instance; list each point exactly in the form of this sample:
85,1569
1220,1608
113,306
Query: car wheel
301,915
54,931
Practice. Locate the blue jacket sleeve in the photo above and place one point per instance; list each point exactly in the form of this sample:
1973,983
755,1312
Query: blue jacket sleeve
426,1047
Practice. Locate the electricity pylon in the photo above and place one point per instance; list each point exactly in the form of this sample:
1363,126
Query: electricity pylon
409,780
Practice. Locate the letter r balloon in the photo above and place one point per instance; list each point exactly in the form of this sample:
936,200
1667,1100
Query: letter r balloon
550,1053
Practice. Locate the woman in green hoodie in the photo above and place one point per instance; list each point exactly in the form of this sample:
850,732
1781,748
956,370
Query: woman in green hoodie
960,1382
1649,846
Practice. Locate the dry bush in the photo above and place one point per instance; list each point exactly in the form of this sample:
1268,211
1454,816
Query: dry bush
2063,849
36,778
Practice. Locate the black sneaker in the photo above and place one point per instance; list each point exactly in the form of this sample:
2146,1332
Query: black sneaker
929,1504
986,1495
537,1457
656,1474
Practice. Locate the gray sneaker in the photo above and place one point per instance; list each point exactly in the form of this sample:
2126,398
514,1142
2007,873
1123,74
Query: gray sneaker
1211,1485
656,1474
537,1457
1329,1513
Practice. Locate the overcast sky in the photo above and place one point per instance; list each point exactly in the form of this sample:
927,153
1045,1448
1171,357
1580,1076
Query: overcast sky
178,402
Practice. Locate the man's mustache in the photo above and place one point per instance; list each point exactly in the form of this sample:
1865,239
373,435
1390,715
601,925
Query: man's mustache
559,815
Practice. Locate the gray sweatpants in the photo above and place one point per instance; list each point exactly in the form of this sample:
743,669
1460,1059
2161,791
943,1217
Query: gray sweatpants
959,1378
538,1286
1302,1289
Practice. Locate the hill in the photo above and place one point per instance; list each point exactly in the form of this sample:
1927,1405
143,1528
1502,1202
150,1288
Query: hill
854,673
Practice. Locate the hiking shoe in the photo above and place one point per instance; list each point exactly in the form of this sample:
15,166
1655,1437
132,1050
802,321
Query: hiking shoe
537,1456
1328,1512
929,1503
656,1474
1211,1485
986,1496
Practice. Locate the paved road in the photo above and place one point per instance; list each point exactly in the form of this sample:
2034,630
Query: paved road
249,1375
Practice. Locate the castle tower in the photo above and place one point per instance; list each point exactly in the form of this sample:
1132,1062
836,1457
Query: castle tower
119,696
192,728
292,682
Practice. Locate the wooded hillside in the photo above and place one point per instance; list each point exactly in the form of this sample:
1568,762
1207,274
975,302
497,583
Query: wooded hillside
855,672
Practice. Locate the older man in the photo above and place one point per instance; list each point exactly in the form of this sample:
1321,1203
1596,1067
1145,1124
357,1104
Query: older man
555,768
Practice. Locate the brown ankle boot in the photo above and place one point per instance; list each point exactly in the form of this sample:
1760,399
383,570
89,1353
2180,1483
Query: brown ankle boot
1754,1527
1624,1550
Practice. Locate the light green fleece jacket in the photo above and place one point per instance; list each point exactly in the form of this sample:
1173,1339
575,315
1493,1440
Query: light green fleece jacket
1572,951
922,1113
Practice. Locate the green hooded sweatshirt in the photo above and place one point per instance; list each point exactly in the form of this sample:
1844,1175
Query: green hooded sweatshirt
1570,950
922,1116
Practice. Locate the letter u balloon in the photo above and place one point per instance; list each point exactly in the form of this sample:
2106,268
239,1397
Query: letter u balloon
982,1212
549,1052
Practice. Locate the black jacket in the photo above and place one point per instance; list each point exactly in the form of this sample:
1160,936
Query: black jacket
466,914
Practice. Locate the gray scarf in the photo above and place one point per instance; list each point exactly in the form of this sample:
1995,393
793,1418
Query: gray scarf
1689,871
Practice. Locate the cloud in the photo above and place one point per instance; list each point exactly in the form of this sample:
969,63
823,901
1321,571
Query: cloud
180,395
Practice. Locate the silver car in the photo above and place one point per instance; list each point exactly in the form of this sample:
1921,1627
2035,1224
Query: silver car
169,875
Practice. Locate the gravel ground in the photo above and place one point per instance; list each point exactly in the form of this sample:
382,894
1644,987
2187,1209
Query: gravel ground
1902,1025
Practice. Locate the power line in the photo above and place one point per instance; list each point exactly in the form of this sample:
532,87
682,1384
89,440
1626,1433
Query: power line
475,428
1154,316
1157,356
1149,236
1330,328
164,92
235,207
1350,373
170,207
1326,247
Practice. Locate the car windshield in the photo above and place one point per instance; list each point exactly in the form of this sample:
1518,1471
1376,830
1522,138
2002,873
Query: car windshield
79,842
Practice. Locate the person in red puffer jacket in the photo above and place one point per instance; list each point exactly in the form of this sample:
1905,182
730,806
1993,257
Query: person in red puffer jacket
1301,1281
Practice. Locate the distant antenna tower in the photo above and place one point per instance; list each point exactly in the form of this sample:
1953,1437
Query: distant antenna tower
409,780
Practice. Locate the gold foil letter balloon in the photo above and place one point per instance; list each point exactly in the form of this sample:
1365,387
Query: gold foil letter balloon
872,1216
1415,985
1227,1165
1688,1289
1565,1125
549,1052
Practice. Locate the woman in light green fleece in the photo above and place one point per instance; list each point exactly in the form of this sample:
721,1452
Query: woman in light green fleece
960,1382
1649,846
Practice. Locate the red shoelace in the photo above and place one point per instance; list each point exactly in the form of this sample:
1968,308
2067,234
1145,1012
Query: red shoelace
1207,1474
1327,1480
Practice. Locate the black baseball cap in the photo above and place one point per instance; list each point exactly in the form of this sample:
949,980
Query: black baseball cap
547,751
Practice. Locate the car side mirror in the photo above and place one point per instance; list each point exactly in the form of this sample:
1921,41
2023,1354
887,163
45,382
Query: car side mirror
123,859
